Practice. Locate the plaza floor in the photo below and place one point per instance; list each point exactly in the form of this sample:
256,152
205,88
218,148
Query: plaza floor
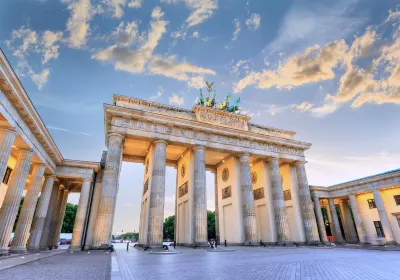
243,263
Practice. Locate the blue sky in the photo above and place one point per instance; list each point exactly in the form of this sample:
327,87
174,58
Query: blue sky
328,70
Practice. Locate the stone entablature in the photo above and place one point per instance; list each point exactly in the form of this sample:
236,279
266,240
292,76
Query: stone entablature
144,105
20,113
151,125
77,169
384,180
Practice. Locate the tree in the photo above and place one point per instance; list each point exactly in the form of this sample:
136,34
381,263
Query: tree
69,218
169,227
19,211
129,235
211,224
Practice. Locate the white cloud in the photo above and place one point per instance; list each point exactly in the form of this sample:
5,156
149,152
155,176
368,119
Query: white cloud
67,130
160,92
125,35
240,64
236,24
196,34
175,99
50,48
40,79
304,106
254,21
78,24
196,82
135,4
142,59
178,34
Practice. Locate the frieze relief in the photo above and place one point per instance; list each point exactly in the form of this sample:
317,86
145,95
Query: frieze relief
188,133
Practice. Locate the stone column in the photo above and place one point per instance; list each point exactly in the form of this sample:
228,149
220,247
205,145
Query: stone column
94,210
320,219
307,211
43,244
216,207
40,216
157,195
280,213
81,215
248,207
9,209
7,138
54,219
60,218
109,191
27,211
335,221
348,221
362,234
200,197
387,229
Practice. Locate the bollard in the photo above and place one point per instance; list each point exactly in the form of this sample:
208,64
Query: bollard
127,246
225,242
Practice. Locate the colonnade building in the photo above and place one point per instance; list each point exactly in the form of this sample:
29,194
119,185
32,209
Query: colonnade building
261,188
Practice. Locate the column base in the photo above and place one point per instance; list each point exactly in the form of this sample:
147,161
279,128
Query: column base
4,252
33,249
17,250
74,248
104,247
251,243
391,243
313,243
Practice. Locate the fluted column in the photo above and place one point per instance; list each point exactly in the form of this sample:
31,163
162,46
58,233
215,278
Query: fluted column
94,210
109,191
307,211
387,229
200,196
320,219
335,221
248,207
157,195
46,233
40,216
216,207
27,211
81,215
348,221
9,209
280,213
362,234
54,219
7,138
60,218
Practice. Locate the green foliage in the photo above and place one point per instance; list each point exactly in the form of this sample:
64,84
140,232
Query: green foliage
69,218
19,211
130,235
211,224
169,227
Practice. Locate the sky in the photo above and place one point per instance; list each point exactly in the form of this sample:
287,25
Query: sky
328,70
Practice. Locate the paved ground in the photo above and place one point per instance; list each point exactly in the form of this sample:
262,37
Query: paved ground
79,265
260,263
244,263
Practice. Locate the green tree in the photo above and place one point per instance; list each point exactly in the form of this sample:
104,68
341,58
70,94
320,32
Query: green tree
211,224
169,227
130,235
69,218
19,211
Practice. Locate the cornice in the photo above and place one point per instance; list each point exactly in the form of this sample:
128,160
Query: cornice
13,89
81,164
128,113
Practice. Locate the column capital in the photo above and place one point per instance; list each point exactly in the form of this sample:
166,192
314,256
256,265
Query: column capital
299,162
26,151
50,176
244,157
273,159
122,136
198,147
87,179
160,141
8,129
39,165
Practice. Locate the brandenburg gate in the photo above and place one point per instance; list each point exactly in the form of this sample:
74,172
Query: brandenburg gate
261,188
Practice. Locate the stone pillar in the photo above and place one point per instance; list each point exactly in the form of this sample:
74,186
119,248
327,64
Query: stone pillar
280,213
81,215
40,216
247,198
320,219
7,138
27,211
157,195
348,221
362,234
216,207
94,210
335,221
54,219
200,197
9,209
309,221
109,191
60,218
387,229
43,245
